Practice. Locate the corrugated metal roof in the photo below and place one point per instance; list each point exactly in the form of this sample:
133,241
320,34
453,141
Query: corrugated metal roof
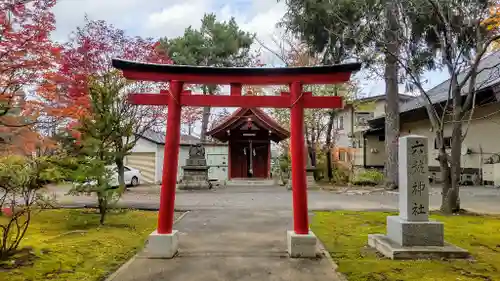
159,137
489,75
402,97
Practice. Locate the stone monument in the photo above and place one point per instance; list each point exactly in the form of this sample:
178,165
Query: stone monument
411,235
195,173
310,169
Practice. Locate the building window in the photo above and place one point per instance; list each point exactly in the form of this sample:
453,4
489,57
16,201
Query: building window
340,123
342,156
446,140
363,117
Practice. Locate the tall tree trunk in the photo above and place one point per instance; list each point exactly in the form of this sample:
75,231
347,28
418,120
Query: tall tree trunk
204,123
121,171
120,165
329,132
456,154
102,204
309,131
453,194
206,116
392,96
312,149
445,177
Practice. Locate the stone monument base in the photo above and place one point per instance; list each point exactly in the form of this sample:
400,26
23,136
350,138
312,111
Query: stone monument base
194,178
393,250
311,182
162,245
301,245
415,233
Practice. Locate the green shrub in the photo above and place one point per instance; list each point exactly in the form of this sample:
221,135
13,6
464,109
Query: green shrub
20,180
340,174
370,177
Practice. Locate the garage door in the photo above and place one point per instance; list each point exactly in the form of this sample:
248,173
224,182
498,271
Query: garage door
144,162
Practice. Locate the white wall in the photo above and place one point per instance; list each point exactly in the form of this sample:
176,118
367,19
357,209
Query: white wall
482,137
342,138
184,155
342,135
144,145
218,159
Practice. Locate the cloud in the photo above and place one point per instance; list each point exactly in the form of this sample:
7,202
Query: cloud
172,20
257,16
128,15
160,18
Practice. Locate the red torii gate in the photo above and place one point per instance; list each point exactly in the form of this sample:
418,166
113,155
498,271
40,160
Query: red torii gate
296,99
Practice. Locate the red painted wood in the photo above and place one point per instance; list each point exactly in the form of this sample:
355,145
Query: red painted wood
149,99
305,94
283,101
229,167
259,116
296,100
269,160
236,101
236,89
299,183
264,79
170,160
238,160
260,160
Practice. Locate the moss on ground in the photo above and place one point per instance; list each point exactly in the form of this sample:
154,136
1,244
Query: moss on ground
345,234
70,244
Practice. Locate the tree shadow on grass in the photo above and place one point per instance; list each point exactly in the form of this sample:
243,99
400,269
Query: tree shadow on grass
89,219
21,257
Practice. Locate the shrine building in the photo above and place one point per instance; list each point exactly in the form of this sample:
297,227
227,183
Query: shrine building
248,133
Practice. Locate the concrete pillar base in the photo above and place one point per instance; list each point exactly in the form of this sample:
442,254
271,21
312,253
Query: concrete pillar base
301,245
162,245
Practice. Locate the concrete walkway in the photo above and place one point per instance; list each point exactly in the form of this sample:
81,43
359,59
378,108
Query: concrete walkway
230,245
477,199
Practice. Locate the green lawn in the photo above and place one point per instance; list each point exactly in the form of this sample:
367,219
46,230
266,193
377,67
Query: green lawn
344,234
70,244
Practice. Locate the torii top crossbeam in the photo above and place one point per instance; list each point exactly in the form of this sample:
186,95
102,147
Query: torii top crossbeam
330,74
236,77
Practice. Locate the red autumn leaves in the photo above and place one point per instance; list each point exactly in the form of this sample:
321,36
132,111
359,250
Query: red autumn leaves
60,74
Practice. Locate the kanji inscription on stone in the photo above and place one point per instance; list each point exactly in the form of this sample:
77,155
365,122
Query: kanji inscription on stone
413,178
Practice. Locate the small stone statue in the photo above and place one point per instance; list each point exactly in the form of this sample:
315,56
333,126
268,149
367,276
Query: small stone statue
195,176
197,151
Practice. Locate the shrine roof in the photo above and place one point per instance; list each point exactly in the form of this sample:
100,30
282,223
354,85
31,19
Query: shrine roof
247,75
267,121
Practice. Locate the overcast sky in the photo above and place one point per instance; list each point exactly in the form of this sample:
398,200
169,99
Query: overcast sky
160,18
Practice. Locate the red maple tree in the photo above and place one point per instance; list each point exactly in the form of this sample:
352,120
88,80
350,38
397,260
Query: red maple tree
88,55
26,54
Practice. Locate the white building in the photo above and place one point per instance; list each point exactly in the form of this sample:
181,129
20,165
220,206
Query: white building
148,153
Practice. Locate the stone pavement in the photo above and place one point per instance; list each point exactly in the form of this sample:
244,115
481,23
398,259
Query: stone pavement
477,199
230,245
